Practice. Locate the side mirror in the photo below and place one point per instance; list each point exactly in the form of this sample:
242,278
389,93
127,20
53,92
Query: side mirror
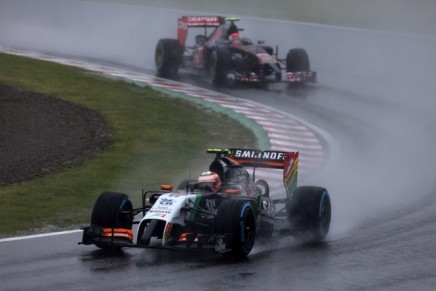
167,187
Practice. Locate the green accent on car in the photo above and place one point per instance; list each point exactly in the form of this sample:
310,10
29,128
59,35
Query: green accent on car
196,203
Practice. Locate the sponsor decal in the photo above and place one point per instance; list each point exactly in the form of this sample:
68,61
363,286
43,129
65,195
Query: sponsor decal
254,154
211,204
159,211
165,205
267,208
220,245
160,215
166,201
213,20
211,208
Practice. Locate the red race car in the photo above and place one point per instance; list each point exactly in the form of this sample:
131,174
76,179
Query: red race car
225,56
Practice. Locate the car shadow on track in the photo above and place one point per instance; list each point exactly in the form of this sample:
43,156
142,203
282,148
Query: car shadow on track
107,261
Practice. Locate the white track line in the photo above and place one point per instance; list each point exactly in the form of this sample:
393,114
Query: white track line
39,235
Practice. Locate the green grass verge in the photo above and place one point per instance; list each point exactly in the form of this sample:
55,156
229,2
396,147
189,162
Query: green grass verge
156,139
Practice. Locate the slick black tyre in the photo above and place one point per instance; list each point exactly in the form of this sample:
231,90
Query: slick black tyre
309,213
263,186
237,217
168,57
112,210
297,60
219,65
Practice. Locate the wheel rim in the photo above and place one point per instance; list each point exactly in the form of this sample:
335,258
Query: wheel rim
325,213
248,228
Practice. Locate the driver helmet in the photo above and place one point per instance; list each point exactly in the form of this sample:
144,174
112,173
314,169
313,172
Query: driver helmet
235,39
212,179
234,35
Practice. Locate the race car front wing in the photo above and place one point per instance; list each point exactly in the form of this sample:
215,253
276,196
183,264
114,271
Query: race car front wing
118,238
301,77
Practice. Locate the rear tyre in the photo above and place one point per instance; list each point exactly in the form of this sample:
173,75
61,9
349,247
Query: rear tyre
309,213
112,210
168,57
237,217
297,60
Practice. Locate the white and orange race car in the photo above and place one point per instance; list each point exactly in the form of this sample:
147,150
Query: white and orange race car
225,210
225,56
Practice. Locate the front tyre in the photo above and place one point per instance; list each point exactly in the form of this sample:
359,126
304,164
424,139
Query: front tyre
168,57
297,60
309,213
113,212
237,217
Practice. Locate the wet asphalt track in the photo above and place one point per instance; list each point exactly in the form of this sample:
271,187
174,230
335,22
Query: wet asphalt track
375,98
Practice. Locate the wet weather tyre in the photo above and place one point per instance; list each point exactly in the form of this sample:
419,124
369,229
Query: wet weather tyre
237,217
219,65
309,213
297,60
168,57
112,210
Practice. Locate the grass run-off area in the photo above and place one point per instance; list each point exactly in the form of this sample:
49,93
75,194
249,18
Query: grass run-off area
156,139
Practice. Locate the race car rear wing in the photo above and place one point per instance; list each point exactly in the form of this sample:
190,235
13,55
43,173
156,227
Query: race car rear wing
288,161
184,22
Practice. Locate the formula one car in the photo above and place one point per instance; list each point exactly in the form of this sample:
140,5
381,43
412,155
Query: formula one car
225,56
225,213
